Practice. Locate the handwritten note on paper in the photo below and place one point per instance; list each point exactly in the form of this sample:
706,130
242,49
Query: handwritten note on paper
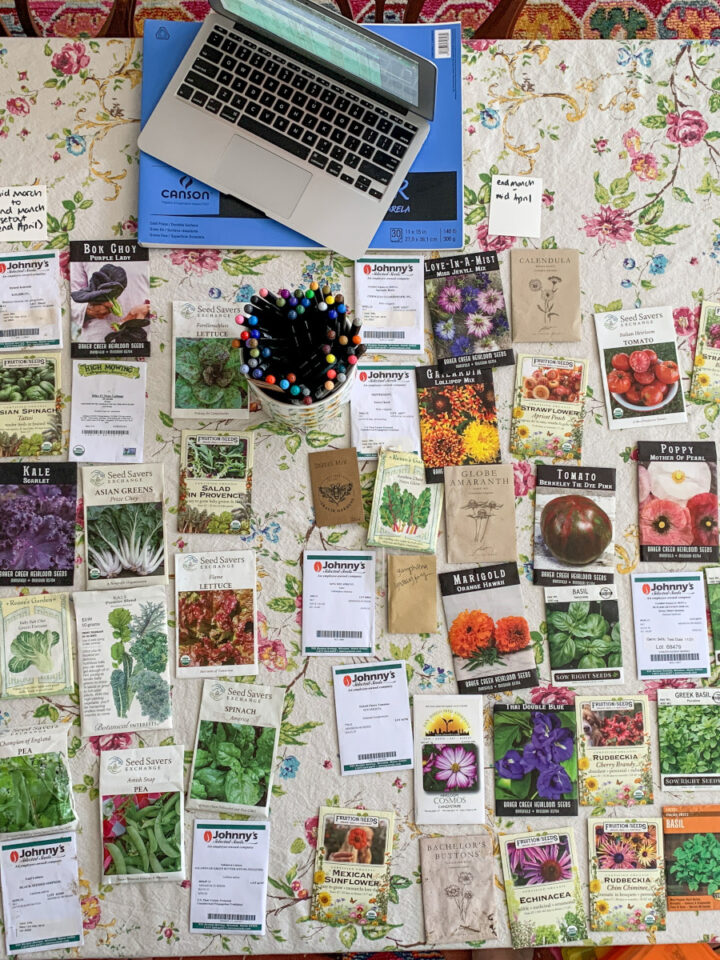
515,207
23,213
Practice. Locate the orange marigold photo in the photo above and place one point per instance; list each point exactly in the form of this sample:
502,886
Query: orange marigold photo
511,634
471,630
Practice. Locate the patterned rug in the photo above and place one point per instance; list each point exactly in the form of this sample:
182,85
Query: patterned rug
546,19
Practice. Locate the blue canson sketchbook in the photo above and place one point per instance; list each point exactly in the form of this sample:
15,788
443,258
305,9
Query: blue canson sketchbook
426,214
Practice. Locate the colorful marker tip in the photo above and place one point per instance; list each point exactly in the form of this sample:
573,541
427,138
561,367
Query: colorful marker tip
295,390
284,384
352,361
331,374
307,401
331,358
271,379
263,291
291,377
329,385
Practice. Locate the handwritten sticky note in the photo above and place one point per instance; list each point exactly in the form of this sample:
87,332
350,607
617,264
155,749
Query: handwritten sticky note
23,213
515,207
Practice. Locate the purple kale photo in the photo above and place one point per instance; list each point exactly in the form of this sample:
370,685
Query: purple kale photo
37,527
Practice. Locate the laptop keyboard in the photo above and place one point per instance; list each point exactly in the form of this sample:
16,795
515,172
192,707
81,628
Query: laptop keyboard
298,111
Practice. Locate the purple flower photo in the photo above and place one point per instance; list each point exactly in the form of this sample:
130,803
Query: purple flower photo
540,863
451,767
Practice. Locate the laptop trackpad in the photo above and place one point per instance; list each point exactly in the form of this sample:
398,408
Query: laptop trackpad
260,177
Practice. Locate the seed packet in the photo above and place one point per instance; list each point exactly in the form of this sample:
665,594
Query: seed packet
614,767
36,794
107,420
411,593
216,612
677,501
627,875
467,307
36,647
692,857
689,727
480,514
215,482
351,883
542,887
535,754
458,419
384,411
207,357
458,889
583,628
705,386
389,303
488,632
712,579
109,299
639,360
549,409
30,404
574,523
336,490
545,295
124,526
235,747
339,603
405,513
142,815
38,508
449,785
123,653
30,314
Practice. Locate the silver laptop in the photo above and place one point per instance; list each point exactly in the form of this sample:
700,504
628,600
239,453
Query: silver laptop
299,112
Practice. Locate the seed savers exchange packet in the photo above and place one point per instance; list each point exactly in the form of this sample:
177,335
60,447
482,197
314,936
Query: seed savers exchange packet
30,405
480,514
36,647
235,746
583,627
614,767
677,501
627,875
705,386
107,415
352,866
689,725
141,800
692,857
215,482
639,360
406,510
448,760
38,510
488,632
216,611
549,408
535,756
542,886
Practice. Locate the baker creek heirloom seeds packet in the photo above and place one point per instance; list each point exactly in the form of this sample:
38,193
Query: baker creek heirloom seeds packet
30,405
639,367
574,523
545,295
488,631
107,414
480,514
705,386
38,511
448,736
583,630
712,579
36,795
542,887
677,501
215,482
614,766
692,857
207,357
351,883
627,875
235,746
405,513
384,410
142,814
123,653
30,313
689,727
216,614
549,408
535,754
36,649
124,526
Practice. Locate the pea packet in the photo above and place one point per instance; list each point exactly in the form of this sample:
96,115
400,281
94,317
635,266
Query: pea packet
36,794
142,815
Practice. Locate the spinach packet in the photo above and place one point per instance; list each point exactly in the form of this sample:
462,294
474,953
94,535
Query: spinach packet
36,794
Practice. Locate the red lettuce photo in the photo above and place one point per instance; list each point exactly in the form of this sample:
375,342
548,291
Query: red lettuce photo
215,627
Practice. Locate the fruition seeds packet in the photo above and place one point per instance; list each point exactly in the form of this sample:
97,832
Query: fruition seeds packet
583,629
549,408
705,387
36,646
692,857
30,405
689,726
215,482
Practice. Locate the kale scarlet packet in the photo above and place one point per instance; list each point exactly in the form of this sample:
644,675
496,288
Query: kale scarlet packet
677,501
488,632
692,857
574,521
689,728
109,299
583,628
38,506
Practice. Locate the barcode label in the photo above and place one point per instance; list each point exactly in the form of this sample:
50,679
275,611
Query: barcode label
443,44
385,335
21,332
673,657
105,433
340,634
231,916
377,756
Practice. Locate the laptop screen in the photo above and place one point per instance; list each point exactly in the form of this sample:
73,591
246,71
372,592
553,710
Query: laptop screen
328,39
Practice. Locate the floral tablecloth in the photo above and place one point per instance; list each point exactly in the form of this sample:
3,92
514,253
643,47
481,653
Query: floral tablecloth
627,140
